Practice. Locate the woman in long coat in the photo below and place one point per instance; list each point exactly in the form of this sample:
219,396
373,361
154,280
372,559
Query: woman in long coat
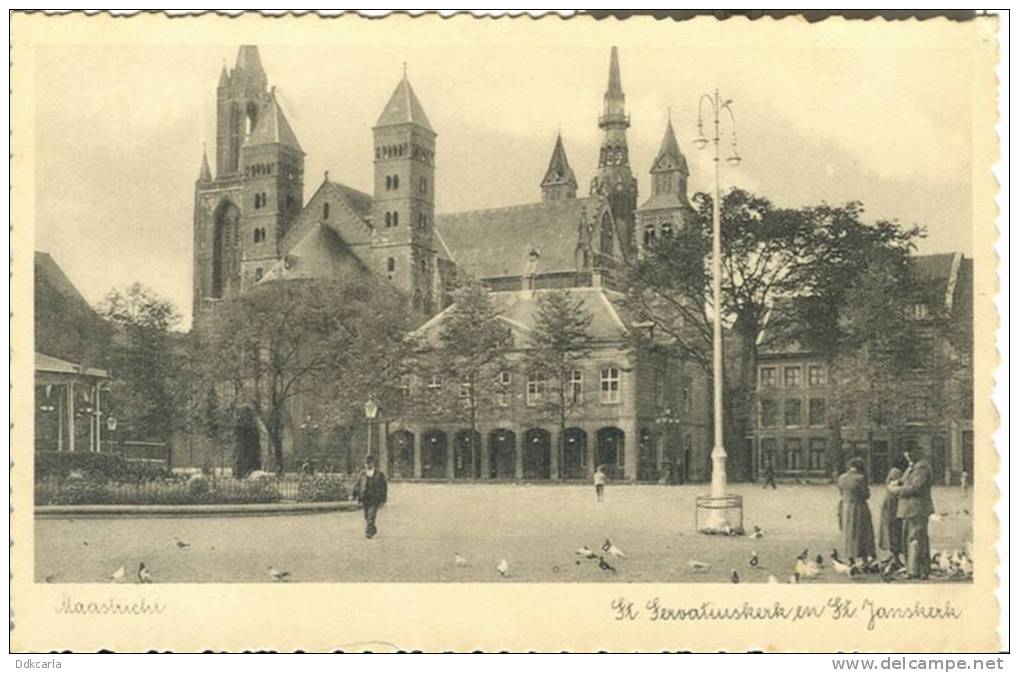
890,534
854,514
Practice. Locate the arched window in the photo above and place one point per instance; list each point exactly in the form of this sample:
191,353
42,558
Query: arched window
649,235
423,185
396,182
396,219
325,210
666,229
389,219
256,235
290,202
389,182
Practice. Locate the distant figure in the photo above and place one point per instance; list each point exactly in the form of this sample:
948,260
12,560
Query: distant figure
599,483
890,535
964,481
854,513
370,491
769,476
915,506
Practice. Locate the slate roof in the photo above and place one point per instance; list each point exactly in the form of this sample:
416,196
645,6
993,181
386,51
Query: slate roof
404,108
359,202
320,253
48,363
273,128
496,242
49,271
518,309
559,170
669,152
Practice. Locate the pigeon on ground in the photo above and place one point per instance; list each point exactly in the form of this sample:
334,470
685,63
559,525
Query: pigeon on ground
788,516
613,549
586,552
835,554
459,561
754,561
50,579
85,542
819,560
734,576
278,575
803,555
842,568
699,566
772,579
794,578
181,544
806,569
757,534
605,565
503,567
936,518
144,574
945,563
117,575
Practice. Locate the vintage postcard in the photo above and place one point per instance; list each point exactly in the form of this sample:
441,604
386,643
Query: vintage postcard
504,334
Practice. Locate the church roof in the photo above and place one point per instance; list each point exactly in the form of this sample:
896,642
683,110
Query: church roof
358,201
559,170
663,201
205,174
493,243
320,253
248,58
47,270
615,81
669,152
273,128
404,108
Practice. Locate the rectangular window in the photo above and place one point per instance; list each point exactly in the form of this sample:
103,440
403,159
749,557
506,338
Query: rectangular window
659,389
818,450
769,413
921,311
466,398
686,399
502,390
535,389
577,386
609,385
258,274
793,412
793,377
435,384
816,376
916,410
768,377
794,454
817,411
390,264
405,386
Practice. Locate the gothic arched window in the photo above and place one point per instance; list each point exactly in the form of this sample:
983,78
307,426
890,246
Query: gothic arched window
396,219
325,210
389,182
396,182
389,219
666,229
649,235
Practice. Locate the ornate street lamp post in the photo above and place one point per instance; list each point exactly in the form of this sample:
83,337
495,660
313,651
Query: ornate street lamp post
718,504
370,411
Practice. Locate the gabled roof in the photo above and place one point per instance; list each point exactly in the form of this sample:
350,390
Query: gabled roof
669,156
273,128
493,243
359,202
204,174
403,108
47,270
559,170
518,309
320,253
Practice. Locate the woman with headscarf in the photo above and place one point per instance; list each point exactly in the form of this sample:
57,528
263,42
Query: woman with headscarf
854,513
890,532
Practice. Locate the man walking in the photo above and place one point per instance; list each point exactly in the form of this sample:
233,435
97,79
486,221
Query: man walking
370,491
769,476
915,506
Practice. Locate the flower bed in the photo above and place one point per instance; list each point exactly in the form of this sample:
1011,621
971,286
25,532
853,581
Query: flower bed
322,488
201,491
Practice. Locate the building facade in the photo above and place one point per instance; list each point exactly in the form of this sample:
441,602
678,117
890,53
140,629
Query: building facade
793,432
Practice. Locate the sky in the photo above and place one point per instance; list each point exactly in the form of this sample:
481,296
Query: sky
120,128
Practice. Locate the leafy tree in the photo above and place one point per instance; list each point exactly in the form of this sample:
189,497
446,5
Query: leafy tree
768,254
560,343
331,341
68,328
145,360
248,451
472,345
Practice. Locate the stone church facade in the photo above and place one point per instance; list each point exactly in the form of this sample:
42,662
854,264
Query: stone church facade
252,225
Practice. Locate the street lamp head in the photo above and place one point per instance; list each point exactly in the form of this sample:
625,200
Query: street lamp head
111,423
370,409
734,160
701,142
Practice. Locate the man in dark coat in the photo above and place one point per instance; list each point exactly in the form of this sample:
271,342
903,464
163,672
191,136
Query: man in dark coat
915,506
370,491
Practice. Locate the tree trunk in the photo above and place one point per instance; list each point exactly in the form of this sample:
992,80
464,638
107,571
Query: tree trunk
276,437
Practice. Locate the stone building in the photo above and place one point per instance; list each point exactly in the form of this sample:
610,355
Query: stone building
792,431
252,225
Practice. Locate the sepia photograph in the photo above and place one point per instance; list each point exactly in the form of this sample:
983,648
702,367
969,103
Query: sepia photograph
572,303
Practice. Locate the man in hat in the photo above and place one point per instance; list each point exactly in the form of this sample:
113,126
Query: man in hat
370,491
915,506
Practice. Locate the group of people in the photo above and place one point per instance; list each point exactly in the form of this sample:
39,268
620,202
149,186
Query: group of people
904,514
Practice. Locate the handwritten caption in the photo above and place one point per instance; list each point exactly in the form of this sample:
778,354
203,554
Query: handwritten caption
109,606
836,608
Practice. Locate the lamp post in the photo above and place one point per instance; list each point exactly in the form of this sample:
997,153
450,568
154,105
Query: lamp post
370,411
719,107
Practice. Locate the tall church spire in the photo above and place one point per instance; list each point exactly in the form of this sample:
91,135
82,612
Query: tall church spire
403,107
205,175
668,209
614,180
669,156
559,182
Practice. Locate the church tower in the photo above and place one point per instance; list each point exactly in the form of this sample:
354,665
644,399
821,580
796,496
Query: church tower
559,182
614,179
403,205
239,98
272,163
668,208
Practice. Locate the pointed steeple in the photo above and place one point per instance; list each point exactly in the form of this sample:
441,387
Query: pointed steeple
248,59
560,181
224,78
669,156
615,81
614,109
403,107
205,175
273,127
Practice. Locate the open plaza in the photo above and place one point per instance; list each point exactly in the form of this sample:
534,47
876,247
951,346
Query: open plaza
424,526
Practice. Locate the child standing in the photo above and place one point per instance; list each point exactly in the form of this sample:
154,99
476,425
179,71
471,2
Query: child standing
599,483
